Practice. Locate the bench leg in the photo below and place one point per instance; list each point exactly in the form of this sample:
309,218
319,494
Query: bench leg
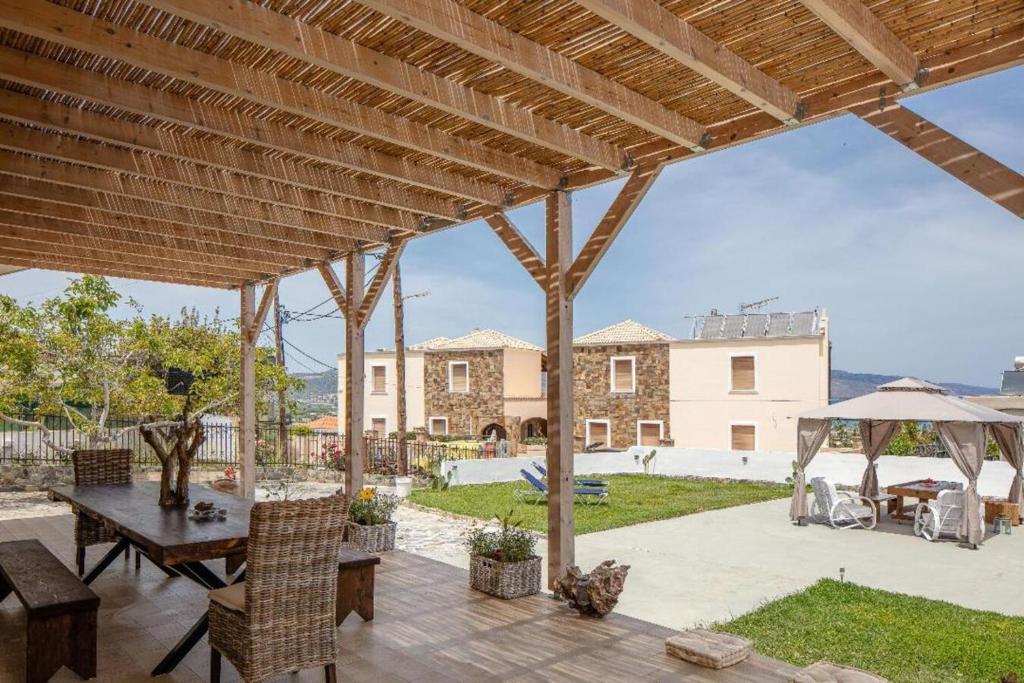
58,640
355,592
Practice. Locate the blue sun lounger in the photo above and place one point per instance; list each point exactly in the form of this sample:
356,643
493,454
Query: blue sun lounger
596,483
538,491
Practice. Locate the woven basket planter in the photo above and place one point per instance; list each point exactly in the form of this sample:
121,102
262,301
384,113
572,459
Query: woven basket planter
505,580
375,538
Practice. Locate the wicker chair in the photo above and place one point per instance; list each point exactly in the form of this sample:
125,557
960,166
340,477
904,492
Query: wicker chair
109,466
281,618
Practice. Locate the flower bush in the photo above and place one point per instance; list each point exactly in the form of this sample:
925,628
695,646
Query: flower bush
509,543
371,507
331,455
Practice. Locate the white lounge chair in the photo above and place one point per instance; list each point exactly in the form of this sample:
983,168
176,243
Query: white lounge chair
840,509
942,515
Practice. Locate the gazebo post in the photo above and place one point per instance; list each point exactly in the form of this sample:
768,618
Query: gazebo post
355,273
247,404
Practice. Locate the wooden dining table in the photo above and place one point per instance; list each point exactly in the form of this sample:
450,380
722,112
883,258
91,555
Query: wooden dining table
173,542
924,490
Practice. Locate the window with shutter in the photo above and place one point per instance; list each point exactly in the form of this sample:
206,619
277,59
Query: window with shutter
743,437
379,426
458,377
597,432
438,425
623,375
743,373
649,433
379,374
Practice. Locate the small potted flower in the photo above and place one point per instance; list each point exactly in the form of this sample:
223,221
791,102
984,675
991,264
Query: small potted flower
369,521
502,561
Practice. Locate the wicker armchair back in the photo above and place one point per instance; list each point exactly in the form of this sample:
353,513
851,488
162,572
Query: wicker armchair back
109,466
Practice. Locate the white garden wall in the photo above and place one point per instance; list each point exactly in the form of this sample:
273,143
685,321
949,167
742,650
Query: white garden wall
842,468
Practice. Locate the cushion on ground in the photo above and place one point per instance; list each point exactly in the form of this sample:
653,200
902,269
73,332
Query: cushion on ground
232,597
827,672
712,650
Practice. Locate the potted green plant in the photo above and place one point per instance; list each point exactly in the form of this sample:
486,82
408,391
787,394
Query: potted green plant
502,562
369,521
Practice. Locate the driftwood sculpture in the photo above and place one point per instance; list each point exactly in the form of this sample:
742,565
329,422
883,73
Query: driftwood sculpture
595,593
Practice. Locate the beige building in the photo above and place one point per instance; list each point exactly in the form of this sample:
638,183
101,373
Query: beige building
1010,398
737,383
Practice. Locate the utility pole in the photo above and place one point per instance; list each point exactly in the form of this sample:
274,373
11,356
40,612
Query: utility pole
282,427
399,306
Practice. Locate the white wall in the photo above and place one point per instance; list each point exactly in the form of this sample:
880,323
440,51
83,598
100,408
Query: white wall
521,373
842,468
386,405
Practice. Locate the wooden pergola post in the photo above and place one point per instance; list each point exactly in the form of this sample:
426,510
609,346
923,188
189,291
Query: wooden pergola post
561,521
247,402
355,273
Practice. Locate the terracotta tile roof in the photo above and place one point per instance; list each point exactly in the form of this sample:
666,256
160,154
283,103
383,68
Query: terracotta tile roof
325,423
626,332
478,339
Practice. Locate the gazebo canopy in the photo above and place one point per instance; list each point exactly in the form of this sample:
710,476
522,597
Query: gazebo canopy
912,399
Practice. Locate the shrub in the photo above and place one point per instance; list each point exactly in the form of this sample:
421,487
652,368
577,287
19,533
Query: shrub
300,430
536,441
510,543
370,507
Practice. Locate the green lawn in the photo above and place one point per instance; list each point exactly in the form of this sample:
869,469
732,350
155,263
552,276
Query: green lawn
905,639
633,498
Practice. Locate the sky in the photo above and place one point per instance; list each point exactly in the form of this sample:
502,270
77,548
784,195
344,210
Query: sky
920,275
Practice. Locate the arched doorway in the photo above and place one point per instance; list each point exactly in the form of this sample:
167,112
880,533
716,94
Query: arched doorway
495,428
535,427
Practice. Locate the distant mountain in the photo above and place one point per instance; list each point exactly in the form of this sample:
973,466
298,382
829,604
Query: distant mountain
846,385
319,396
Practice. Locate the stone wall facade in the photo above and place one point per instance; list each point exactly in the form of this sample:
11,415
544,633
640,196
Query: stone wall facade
594,399
470,412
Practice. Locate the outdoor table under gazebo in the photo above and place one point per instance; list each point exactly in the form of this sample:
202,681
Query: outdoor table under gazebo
961,426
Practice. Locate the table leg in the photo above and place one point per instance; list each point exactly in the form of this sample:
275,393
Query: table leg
111,555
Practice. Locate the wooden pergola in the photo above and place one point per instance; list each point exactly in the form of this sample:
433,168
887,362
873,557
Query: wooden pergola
230,144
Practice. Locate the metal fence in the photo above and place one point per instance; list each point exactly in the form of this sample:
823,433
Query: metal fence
296,447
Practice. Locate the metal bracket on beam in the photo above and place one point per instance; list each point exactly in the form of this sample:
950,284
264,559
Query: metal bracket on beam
510,199
705,142
563,183
798,115
628,163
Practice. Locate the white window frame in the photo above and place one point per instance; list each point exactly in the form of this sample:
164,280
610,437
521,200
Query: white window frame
744,423
430,424
611,374
586,430
380,417
451,376
661,428
757,366
385,368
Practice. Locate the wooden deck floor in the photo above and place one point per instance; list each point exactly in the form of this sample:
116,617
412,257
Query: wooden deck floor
429,626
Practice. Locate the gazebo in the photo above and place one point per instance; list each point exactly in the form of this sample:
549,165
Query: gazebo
960,425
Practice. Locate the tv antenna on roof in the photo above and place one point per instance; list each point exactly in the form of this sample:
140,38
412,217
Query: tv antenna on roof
757,305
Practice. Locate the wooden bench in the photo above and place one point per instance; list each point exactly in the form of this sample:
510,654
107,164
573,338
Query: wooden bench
61,610
355,584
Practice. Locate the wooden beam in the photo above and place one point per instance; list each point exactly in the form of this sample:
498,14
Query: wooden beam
355,373
334,286
236,79
666,32
33,71
114,203
485,38
629,197
247,398
258,215
519,246
21,138
855,24
384,270
210,152
261,313
200,239
994,180
263,26
561,520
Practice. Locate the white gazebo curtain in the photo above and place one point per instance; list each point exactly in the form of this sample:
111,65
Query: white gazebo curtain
1010,439
811,434
875,435
965,442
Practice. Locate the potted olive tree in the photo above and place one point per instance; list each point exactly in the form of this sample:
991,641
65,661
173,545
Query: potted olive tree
502,561
369,521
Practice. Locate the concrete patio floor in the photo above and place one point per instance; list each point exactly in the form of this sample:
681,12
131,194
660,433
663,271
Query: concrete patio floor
718,565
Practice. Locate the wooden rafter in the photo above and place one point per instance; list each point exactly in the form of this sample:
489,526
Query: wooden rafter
253,333
995,180
385,269
520,247
48,74
607,230
334,286
455,24
77,30
667,33
254,213
313,45
295,177
855,23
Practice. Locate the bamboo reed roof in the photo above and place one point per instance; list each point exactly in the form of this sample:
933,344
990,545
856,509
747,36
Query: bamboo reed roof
219,144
